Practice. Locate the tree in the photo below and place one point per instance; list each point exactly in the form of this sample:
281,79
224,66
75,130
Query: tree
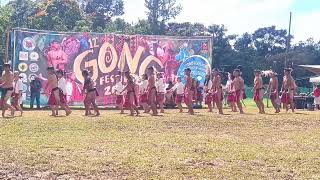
142,27
101,11
186,29
222,49
269,40
4,26
160,12
58,15
22,11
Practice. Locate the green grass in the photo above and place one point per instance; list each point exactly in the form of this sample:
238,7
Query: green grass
175,146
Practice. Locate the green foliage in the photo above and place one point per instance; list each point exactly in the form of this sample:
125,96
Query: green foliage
101,11
4,26
263,49
159,12
58,15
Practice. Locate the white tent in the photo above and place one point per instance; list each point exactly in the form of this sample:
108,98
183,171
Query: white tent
315,80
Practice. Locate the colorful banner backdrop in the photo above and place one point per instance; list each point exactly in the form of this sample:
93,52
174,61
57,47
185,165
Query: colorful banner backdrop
105,55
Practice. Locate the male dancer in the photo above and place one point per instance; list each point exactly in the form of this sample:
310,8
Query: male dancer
161,88
144,93
238,87
273,91
189,90
179,88
91,94
258,90
17,93
208,91
117,90
7,89
62,85
152,91
56,97
230,95
288,89
217,90
131,94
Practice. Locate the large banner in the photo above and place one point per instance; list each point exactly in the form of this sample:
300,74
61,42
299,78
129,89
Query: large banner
105,55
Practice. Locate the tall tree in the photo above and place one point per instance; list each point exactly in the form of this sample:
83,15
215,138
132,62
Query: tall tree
4,26
186,29
269,40
101,11
222,48
22,11
159,12
57,15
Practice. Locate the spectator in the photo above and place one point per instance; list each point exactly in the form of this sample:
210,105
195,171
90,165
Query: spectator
35,88
316,94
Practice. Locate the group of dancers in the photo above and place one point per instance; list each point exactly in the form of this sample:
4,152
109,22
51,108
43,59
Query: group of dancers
149,92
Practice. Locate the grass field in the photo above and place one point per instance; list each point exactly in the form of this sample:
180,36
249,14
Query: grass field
173,146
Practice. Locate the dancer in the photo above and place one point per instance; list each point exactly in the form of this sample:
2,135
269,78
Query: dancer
208,92
217,90
131,94
7,89
288,90
189,90
118,90
230,95
91,93
144,93
179,88
161,88
17,93
62,85
238,87
273,90
56,97
152,91
258,91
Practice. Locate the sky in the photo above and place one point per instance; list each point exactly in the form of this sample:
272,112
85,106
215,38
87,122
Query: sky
240,16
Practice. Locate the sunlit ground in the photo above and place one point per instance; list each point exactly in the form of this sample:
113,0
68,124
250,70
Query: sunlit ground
172,146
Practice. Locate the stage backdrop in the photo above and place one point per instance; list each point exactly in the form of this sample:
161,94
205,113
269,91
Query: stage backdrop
105,55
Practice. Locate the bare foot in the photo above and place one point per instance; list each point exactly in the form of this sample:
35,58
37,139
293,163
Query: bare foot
68,113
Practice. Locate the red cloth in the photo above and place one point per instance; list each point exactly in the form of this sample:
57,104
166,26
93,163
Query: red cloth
15,99
316,92
285,98
119,99
216,96
274,96
53,101
237,96
209,98
179,98
150,100
144,98
231,98
160,97
256,95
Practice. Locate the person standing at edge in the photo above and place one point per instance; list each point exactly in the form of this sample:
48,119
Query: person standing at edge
35,88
